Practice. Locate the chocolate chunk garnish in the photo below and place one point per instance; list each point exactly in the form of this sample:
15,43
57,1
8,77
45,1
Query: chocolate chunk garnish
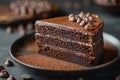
1,68
72,19
90,18
78,20
86,20
82,23
81,14
88,26
26,77
71,15
4,74
87,15
11,78
8,63
96,16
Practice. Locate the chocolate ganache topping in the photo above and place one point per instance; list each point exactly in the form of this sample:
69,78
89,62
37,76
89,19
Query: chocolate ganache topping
84,20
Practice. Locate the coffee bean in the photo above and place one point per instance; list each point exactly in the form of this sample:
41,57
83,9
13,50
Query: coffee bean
23,11
1,68
86,20
26,77
4,74
29,26
8,62
71,15
72,19
31,11
9,30
81,15
90,18
21,30
12,5
76,17
96,16
78,20
20,27
82,23
88,26
16,10
11,78
87,15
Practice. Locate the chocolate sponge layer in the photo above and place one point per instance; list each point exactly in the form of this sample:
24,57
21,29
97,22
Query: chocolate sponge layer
63,43
66,55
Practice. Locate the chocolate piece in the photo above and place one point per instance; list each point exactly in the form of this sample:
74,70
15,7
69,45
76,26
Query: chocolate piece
21,30
4,74
1,68
71,15
72,18
87,15
11,78
9,30
80,43
26,77
8,62
81,14
82,23
90,18
29,26
88,26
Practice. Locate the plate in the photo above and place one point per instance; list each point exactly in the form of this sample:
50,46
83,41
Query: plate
26,46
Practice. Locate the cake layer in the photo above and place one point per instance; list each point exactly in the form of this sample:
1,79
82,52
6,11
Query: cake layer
63,33
67,55
68,44
65,29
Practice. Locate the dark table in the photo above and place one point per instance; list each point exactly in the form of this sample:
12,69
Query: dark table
112,26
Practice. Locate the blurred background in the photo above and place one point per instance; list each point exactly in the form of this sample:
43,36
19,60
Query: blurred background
15,23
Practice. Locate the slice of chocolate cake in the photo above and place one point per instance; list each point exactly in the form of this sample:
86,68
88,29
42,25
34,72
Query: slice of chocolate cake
73,38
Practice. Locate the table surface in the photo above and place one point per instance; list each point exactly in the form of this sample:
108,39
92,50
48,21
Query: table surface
112,26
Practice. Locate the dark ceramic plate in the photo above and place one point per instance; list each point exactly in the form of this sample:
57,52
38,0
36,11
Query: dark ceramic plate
112,54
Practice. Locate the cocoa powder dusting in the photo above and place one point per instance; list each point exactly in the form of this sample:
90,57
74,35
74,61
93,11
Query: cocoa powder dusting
48,63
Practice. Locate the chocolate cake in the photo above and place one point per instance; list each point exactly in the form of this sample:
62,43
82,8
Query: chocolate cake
74,38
